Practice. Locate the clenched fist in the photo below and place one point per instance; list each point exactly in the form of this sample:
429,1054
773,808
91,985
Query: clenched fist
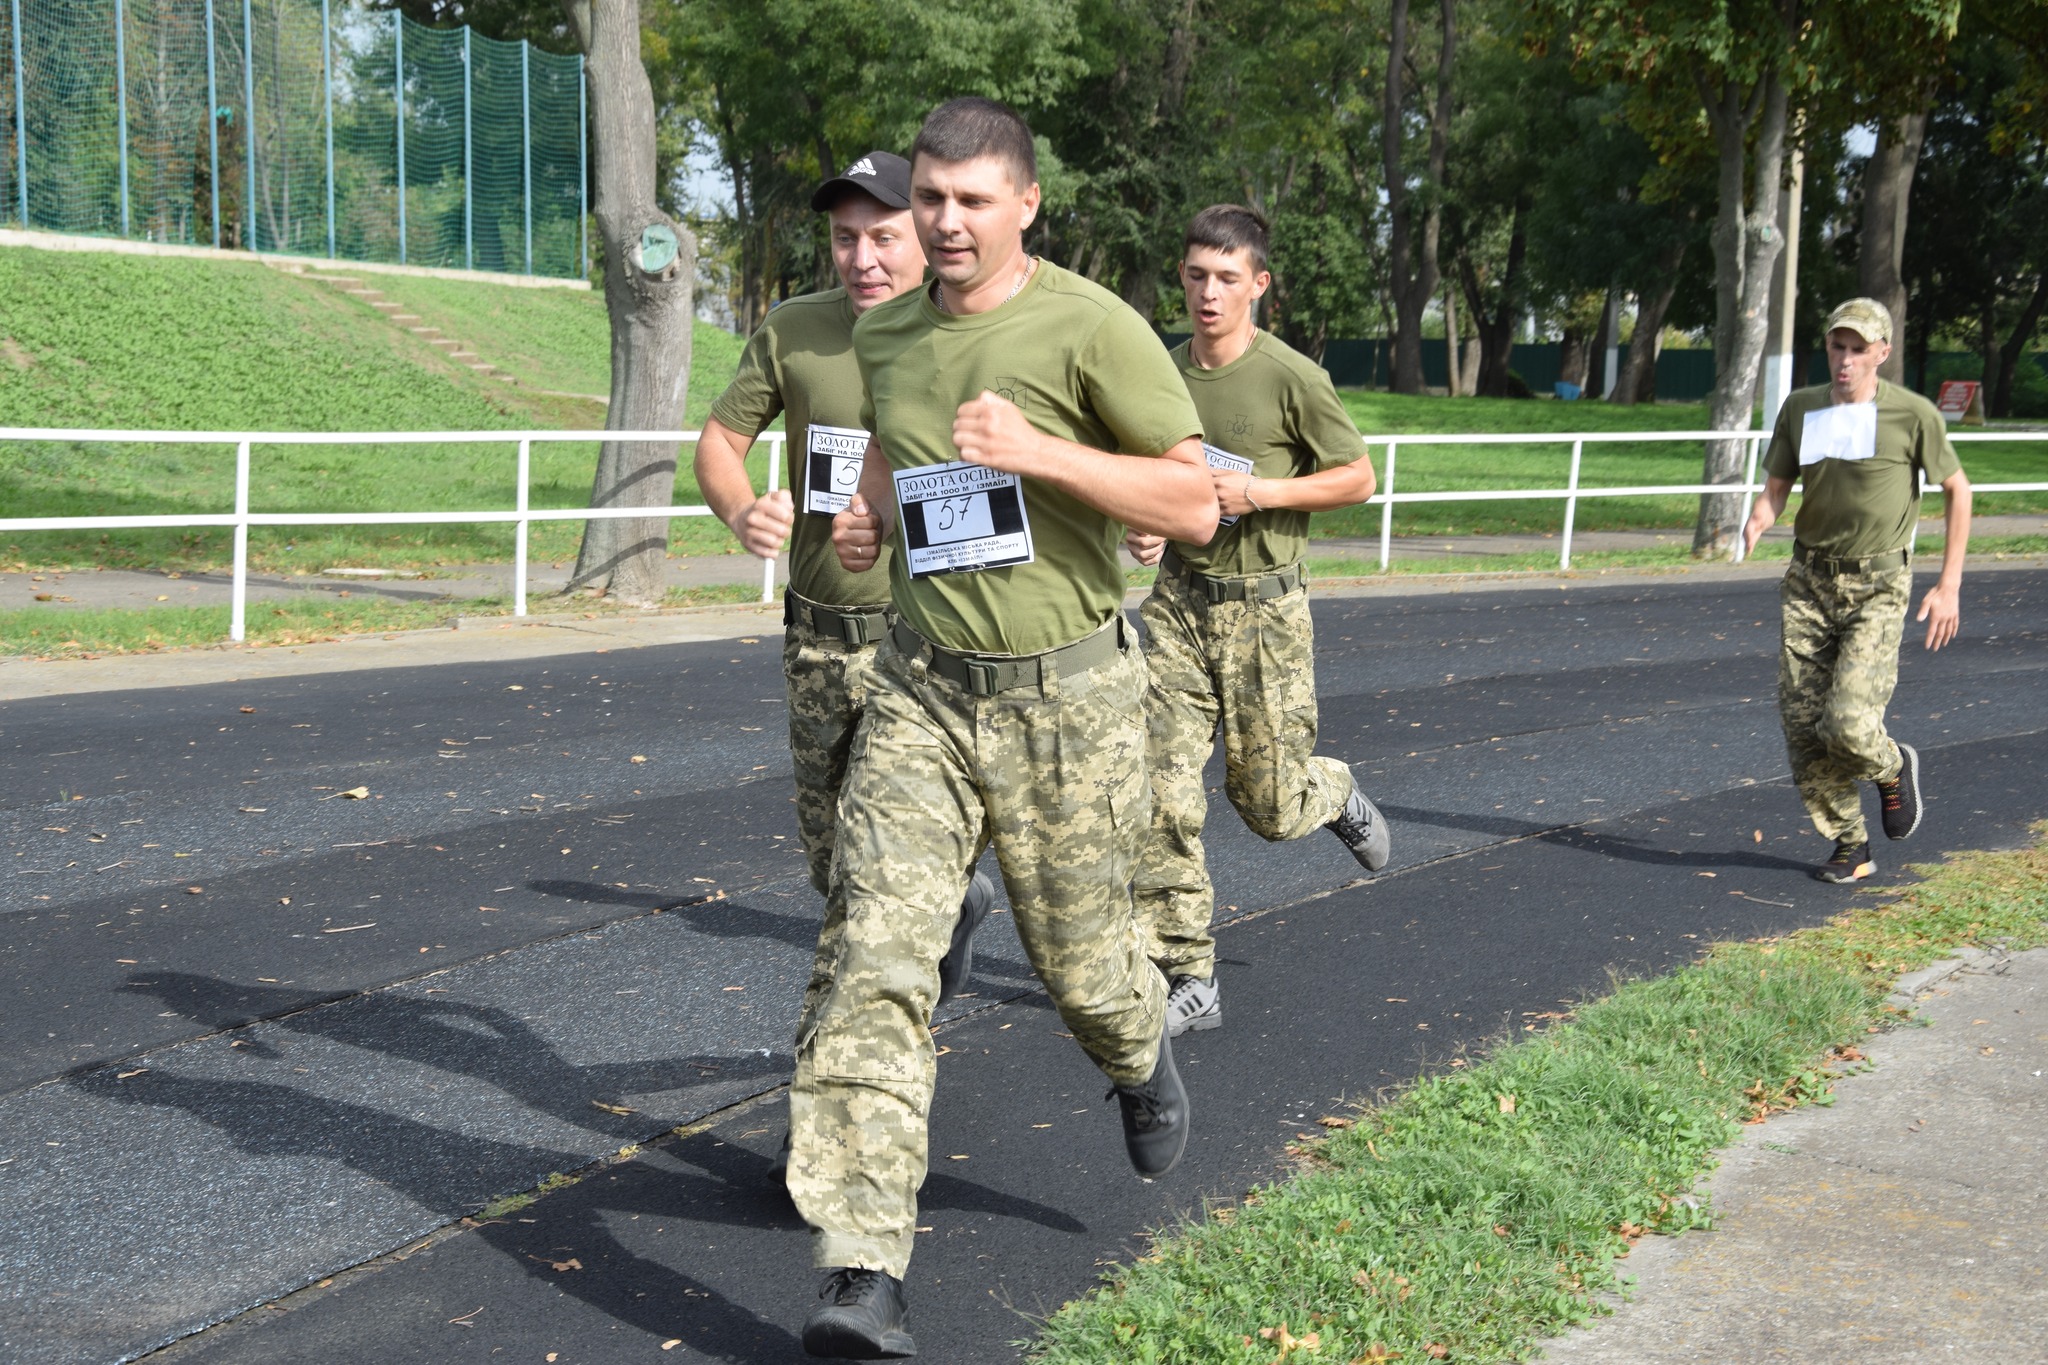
857,535
991,430
763,526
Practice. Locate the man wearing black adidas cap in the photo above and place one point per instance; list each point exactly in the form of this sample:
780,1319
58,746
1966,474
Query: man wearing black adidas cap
800,364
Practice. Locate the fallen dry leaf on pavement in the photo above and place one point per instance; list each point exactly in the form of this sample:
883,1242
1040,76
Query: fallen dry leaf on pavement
671,1343
619,1109
1328,1122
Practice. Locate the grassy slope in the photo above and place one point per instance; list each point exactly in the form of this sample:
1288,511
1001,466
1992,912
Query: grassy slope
121,341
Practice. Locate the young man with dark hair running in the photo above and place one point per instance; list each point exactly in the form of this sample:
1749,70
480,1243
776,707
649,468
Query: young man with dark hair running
800,364
1022,417
1230,644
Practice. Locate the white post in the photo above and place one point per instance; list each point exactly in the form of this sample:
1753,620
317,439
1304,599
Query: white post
238,611
468,170
398,103
526,147
1571,505
121,95
1387,510
327,84
519,533
1749,494
1613,366
21,115
212,128
768,566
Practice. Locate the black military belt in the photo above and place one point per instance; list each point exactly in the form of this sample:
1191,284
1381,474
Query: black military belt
1257,588
1827,566
854,625
985,675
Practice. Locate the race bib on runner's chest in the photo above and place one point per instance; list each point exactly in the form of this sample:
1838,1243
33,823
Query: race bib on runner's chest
1839,431
958,518
832,471
1222,459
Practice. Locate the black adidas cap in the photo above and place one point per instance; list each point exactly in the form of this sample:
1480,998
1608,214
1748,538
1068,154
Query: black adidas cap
883,176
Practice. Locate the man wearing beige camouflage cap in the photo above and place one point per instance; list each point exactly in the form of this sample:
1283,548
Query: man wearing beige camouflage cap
1861,449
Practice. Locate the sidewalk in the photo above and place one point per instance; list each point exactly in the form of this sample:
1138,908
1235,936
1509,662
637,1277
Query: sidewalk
1903,1223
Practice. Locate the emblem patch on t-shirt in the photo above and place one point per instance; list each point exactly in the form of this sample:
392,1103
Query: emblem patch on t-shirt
1222,459
959,518
1009,387
832,474
1839,431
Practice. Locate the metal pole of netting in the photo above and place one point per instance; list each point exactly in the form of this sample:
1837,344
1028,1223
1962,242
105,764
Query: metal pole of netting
249,123
398,98
582,170
327,84
121,96
212,128
526,147
468,170
21,121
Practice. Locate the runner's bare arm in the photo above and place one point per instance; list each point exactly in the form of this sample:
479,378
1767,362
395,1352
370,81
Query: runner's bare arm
1168,496
859,529
1324,491
762,523
1764,515
1941,609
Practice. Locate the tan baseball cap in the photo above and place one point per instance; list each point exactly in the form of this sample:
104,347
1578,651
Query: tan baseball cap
1867,318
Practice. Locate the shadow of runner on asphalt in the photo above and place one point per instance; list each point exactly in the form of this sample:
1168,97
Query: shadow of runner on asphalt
1585,839
482,1041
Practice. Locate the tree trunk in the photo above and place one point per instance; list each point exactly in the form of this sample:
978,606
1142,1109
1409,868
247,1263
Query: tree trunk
1412,234
1887,185
1637,382
2014,353
650,310
1453,380
1496,330
1597,377
1747,241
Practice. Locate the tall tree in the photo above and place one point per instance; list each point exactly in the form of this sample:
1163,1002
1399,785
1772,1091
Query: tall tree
1746,62
650,266
1887,190
1414,200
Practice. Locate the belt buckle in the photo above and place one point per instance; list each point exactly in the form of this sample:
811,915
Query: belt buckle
1215,589
982,677
853,629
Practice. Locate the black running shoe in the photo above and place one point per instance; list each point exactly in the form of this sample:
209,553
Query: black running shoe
1363,830
1901,796
958,963
1850,863
1155,1116
861,1318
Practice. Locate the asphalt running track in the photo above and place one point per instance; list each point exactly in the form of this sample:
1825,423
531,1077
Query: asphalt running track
372,1015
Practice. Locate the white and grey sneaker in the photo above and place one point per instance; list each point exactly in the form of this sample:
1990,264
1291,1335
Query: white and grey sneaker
1363,830
1192,1003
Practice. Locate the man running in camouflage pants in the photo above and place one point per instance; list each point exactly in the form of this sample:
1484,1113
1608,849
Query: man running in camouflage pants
1860,448
800,363
1231,646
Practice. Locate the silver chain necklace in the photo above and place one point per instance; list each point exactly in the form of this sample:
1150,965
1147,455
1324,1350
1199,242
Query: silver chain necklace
1023,277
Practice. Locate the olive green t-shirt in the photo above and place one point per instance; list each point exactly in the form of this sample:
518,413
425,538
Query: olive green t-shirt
801,363
1084,368
1859,467
1277,408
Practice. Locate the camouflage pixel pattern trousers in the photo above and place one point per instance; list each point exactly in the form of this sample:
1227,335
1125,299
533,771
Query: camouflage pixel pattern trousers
1838,661
1052,774
826,680
1247,669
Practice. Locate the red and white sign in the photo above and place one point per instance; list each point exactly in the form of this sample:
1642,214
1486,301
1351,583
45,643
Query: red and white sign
1956,399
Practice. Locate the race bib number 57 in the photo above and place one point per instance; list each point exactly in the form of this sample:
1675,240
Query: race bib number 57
832,473
959,518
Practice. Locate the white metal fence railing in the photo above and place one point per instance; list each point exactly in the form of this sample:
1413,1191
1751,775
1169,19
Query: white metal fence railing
522,515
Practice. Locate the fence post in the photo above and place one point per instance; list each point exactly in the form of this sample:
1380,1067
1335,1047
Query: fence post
238,612
582,169
212,128
1749,497
526,142
768,566
1571,505
121,98
398,103
468,173
327,85
21,117
249,125
519,535
1387,510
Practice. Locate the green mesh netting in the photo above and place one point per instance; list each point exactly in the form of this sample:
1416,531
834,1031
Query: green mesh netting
314,147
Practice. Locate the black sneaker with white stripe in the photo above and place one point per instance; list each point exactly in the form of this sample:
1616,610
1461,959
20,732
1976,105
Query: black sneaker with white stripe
1900,797
1193,1004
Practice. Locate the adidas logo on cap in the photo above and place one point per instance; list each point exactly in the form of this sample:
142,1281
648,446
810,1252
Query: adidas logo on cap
861,167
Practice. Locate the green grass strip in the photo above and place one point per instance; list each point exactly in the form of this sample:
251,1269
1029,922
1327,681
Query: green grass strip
1486,1208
